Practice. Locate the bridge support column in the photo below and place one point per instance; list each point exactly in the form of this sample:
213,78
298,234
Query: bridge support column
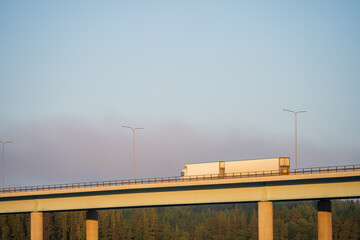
92,226
324,220
265,220
36,219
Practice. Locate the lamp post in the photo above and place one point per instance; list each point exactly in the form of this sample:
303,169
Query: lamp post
133,129
295,113
3,179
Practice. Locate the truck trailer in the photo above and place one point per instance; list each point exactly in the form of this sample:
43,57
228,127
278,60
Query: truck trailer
268,166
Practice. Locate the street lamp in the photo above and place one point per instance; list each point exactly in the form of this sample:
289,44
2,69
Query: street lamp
3,143
295,113
133,129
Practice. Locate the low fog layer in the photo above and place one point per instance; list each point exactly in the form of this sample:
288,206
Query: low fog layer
73,150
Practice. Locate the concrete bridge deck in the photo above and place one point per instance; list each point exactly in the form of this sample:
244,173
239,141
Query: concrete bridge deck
253,189
264,188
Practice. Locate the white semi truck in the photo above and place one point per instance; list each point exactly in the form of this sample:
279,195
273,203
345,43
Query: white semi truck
269,166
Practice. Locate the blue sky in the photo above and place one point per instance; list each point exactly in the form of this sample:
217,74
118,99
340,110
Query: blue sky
207,79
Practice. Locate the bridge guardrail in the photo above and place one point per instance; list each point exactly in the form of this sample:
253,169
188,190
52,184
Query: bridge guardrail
345,168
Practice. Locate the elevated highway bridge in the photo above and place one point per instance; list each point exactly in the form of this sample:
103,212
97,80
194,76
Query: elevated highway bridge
322,184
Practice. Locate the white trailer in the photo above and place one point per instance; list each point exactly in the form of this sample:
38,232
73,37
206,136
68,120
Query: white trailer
267,166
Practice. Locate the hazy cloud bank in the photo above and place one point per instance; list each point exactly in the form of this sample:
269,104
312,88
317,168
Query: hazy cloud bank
74,150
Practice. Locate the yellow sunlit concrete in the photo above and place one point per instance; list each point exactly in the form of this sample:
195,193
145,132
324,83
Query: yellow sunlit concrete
324,220
37,219
265,220
92,225
276,188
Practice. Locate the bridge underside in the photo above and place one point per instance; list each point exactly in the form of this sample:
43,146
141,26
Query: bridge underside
280,188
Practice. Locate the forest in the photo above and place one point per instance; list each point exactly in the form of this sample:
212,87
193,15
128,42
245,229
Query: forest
292,220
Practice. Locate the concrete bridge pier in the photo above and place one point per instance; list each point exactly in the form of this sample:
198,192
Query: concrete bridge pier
324,220
265,220
36,219
92,225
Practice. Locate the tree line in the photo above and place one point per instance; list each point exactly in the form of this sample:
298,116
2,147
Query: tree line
292,220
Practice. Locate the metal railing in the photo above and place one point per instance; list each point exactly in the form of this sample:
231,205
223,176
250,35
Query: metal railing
345,168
